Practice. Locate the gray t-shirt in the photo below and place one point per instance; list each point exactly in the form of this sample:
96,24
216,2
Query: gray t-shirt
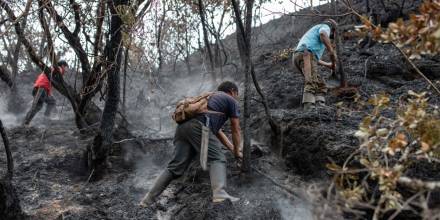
220,102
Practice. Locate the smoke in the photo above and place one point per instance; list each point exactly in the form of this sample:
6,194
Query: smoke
150,104
295,209
9,119
145,173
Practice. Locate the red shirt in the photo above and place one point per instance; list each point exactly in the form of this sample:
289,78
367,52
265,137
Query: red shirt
43,82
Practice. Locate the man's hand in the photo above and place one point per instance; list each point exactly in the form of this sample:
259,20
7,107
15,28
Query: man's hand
326,64
239,155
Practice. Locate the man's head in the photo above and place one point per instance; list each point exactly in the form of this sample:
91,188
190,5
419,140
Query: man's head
229,88
333,25
63,64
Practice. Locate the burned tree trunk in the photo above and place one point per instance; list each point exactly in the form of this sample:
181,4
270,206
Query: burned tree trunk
159,40
124,90
243,42
244,46
17,49
9,202
103,140
7,150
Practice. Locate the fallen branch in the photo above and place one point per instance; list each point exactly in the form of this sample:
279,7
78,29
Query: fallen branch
416,68
8,151
419,184
140,138
285,188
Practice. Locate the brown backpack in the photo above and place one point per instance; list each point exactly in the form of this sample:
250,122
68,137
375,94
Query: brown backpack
190,107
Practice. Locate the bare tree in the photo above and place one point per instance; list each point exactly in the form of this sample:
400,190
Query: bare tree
201,8
103,141
244,35
9,202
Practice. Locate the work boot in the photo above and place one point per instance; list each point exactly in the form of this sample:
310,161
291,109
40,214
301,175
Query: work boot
321,104
320,100
308,101
217,173
159,186
307,106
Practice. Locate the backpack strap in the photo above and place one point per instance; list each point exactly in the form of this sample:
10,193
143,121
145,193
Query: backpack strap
214,112
211,111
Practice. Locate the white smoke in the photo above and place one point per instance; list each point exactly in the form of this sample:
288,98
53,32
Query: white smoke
295,209
145,174
9,119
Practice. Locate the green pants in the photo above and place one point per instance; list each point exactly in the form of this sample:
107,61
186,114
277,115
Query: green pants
313,83
187,146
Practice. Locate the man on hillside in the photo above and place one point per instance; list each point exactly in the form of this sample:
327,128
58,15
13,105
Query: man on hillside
42,93
222,105
308,55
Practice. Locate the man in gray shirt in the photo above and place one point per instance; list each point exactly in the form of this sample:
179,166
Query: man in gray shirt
222,105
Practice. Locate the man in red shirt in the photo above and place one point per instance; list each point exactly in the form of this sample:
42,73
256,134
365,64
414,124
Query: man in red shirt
42,93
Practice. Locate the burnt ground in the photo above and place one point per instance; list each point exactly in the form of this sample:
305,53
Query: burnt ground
51,181
51,178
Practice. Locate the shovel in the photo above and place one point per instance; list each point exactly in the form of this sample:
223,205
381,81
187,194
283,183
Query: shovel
333,81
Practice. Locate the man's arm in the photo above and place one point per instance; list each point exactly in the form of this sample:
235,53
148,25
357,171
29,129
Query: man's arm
236,136
326,40
225,141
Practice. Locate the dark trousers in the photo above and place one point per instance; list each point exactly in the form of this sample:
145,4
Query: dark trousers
40,97
187,141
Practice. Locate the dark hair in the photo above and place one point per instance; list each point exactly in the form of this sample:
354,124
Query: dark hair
333,26
62,63
228,87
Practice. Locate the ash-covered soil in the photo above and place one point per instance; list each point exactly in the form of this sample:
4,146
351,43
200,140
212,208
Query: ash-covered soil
52,183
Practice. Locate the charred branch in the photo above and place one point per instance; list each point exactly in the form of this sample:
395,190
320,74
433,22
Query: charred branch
100,15
141,13
76,8
16,54
72,38
7,150
205,33
45,26
418,184
9,202
159,40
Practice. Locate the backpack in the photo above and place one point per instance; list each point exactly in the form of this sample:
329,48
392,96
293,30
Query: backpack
190,107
